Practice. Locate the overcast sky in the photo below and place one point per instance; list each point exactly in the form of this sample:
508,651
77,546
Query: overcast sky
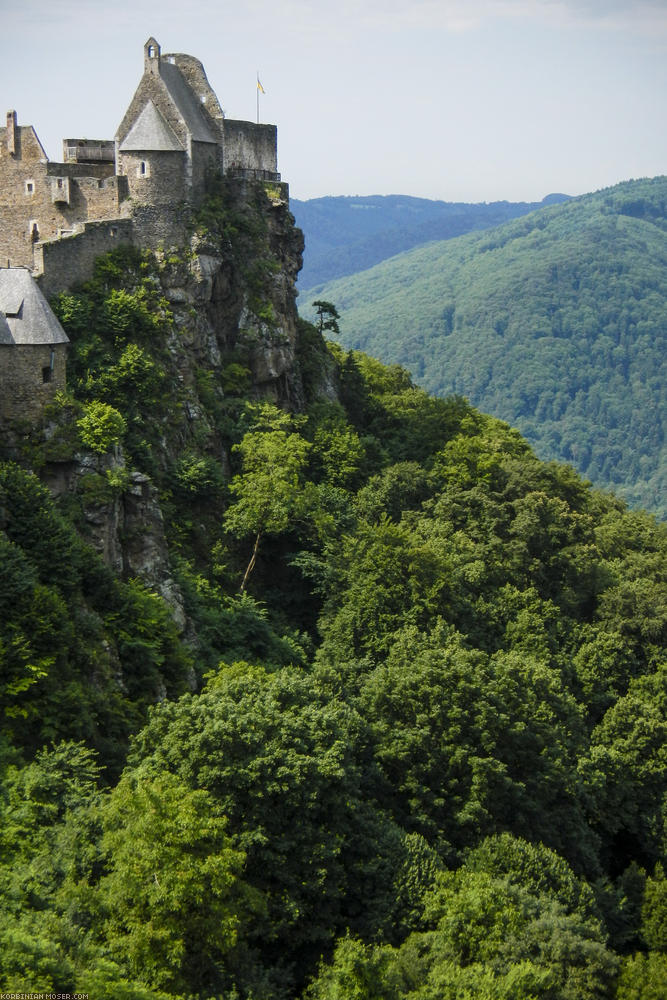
461,100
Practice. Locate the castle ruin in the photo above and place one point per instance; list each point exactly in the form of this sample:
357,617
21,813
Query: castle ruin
137,185
57,218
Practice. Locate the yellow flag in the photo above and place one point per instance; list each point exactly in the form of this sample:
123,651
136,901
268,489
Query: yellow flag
260,87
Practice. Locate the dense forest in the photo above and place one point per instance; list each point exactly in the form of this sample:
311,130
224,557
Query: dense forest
407,739
554,322
349,234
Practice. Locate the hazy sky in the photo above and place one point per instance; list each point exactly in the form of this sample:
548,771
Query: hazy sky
462,100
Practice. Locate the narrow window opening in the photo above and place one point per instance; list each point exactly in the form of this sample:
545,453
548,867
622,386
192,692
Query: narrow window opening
29,187
47,373
151,52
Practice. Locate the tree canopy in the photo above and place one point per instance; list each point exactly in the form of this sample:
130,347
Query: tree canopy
422,753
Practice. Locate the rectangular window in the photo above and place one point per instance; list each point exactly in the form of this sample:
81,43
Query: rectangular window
29,187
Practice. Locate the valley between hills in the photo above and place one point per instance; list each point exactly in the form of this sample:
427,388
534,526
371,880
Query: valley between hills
554,321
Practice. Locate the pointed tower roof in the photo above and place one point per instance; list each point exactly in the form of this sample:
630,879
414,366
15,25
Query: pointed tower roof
25,315
178,98
187,102
151,132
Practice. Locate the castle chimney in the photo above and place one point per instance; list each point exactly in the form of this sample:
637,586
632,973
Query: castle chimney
12,130
152,57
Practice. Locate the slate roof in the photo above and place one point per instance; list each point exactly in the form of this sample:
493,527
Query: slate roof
25,315
151,132
186,101
5,332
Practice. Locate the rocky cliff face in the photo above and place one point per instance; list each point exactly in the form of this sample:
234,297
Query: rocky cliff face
230,332
234,294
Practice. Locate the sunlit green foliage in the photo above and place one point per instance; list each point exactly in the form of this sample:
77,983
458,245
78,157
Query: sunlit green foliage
101,428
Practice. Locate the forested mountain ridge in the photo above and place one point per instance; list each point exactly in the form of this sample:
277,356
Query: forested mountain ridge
396,689
554,322
347,234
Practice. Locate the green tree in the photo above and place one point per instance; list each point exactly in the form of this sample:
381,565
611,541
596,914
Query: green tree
101,427
48,831
357,972
468,744
625,774
643,977
327,316
654,911
289,768
267,491
525,941
173,893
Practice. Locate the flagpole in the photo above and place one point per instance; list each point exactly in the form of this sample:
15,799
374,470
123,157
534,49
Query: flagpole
258,97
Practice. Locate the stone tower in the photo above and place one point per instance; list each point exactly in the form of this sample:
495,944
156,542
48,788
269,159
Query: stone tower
33,347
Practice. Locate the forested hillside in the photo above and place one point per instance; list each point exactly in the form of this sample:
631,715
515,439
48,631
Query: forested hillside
349,234
402,734
555,322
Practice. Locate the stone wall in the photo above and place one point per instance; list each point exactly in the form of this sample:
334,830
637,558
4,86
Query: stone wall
28,382
205,157
99,198
251,147
159,226
39,200
66,262
154,178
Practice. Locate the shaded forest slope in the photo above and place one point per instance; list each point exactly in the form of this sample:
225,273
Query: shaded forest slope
349,234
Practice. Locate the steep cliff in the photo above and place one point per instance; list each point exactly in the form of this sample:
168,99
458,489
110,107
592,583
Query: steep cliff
173,343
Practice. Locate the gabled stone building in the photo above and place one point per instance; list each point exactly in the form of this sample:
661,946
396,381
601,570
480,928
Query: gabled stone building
33,347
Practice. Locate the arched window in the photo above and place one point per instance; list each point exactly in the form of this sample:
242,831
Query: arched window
151,52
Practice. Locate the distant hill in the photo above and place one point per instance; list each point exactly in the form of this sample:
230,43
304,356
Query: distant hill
555,322
349,234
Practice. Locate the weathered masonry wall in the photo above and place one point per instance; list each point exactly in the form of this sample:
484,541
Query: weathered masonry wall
30,376
40,200
63,263
251,147
154,178
156,226
205,157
